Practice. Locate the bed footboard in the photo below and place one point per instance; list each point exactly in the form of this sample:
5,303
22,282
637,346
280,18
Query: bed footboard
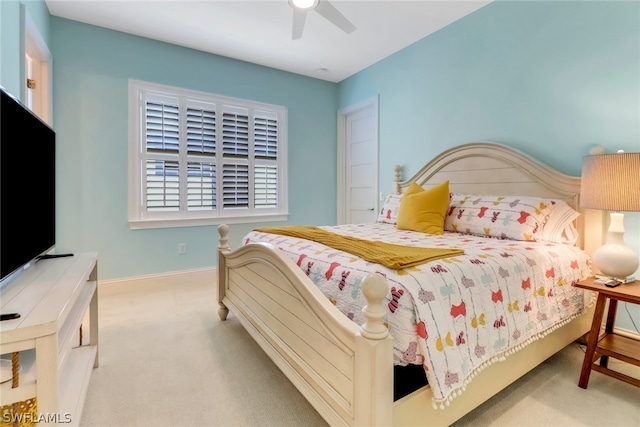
344,370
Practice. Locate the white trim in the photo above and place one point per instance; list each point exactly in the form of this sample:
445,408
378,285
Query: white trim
36,47
341,195
172,277
140,218
625,333
144,224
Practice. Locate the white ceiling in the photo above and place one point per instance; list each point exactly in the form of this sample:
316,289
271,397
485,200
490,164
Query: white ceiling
259,31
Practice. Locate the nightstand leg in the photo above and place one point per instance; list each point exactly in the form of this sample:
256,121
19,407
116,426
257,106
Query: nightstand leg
592,341
611,319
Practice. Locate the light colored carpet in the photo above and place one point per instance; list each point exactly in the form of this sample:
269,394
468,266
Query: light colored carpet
167,360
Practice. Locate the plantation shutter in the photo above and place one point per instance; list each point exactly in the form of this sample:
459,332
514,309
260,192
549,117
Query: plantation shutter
235,151
200,157
201,151
266,160
162,144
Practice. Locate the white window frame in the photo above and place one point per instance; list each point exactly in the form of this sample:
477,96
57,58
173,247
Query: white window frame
142,218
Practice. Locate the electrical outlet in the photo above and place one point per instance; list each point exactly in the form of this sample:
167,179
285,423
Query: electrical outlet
182,248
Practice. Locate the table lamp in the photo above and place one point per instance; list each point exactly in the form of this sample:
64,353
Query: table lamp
612,182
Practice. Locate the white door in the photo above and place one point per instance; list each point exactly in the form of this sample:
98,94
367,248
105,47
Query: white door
358,163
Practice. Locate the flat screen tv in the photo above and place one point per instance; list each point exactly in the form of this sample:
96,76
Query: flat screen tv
27,186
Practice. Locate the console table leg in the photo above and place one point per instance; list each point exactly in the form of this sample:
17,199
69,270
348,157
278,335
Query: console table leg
47,371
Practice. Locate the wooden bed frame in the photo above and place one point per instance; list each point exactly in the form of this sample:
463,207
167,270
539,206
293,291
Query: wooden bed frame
346,371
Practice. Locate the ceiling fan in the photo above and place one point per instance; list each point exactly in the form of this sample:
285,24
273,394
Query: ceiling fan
324,8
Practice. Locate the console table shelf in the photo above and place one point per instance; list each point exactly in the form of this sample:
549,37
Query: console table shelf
56,299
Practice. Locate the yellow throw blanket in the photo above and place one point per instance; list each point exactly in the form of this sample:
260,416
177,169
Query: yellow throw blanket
393,256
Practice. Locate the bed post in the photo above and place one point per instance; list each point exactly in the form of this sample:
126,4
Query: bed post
374,358
396,178
223,248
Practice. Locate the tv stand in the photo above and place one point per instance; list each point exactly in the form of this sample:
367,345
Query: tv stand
57,352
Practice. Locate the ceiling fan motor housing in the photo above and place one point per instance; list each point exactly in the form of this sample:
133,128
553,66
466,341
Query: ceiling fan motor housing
324,8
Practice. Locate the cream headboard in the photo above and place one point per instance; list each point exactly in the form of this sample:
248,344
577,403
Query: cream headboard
487,168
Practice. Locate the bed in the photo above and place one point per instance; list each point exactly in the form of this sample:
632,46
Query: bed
345,368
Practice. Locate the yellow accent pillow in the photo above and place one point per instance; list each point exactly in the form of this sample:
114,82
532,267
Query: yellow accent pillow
424,210
413,189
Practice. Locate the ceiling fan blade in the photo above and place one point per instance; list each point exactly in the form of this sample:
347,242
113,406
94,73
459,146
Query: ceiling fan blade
299,17
334,16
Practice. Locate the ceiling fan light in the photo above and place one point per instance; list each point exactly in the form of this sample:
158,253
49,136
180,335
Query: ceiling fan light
304,4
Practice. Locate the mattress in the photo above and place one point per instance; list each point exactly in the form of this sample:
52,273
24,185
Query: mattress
454,315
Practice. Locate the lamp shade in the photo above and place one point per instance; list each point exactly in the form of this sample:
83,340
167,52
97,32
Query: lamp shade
611,182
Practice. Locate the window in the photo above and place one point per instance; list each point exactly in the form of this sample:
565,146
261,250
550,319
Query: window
200,159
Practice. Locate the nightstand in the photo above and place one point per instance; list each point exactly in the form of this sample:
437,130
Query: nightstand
609,344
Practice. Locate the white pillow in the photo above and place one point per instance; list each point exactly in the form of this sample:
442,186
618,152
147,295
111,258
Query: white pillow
504,217
559,227
389,212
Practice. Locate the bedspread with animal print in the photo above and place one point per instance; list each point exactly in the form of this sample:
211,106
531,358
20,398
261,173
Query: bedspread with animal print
452,315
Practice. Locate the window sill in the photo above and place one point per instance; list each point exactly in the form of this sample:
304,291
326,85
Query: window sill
146,224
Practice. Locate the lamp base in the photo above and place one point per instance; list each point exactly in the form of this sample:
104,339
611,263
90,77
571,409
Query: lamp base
628,279
614,258
616,261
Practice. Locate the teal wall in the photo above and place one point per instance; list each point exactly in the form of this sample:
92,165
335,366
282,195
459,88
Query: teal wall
91,70
552,79
10,49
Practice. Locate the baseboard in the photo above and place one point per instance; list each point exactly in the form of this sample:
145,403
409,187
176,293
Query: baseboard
627,333
171,277
618,331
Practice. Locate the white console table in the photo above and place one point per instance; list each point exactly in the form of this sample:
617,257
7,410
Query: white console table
55,298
